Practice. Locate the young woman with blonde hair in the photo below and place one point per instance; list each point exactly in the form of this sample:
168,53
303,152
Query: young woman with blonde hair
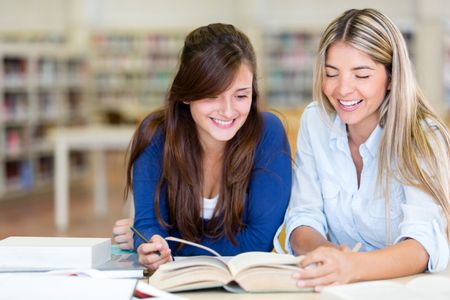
372,164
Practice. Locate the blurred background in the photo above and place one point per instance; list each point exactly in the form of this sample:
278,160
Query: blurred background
76,76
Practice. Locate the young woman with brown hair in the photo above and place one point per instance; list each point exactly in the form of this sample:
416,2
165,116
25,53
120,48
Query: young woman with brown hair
210,167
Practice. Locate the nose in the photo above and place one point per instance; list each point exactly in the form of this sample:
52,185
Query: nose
227,107
345,86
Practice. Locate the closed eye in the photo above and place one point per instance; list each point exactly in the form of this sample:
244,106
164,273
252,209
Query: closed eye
242,97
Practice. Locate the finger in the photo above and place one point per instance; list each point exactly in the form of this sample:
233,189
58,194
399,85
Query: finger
153,260
344,248
148,248
158,239
124,222
124,238
157,264
314,272
117,230
165,256
127,246
314,257
318,281
149,260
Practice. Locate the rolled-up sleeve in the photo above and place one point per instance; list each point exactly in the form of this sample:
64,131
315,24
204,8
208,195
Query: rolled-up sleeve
424,221
306,203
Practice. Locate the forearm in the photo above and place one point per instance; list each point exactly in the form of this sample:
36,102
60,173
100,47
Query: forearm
405,258
305,239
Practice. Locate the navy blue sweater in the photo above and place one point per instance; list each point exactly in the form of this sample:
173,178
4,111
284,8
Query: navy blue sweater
266,200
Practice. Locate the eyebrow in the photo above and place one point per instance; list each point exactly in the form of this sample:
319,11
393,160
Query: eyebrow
243,89
353,69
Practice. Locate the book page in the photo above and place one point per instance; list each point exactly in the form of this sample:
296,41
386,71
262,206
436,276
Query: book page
178,240
371,290
434,286
252,259
276,278
191,273
190,261
64,287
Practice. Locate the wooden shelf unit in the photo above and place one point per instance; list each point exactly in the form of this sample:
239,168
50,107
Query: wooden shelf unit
41,88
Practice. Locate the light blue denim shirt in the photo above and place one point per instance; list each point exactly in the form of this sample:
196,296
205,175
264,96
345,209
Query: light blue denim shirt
326,197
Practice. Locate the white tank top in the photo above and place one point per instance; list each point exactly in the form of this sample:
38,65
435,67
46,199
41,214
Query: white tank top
208,207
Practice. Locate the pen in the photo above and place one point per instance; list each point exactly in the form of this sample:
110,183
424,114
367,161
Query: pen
357,247
143,238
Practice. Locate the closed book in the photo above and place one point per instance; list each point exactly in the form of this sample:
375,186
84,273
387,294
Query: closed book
123,264
26,252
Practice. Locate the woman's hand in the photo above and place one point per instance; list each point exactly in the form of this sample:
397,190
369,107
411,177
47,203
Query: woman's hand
154,253
123,234
326,266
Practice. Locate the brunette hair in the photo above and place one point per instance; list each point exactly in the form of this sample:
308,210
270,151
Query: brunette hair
209,61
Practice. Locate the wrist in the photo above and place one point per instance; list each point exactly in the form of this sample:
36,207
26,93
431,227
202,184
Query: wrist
356,273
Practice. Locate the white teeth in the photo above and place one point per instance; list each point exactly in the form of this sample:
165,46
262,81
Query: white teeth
349,103
222,122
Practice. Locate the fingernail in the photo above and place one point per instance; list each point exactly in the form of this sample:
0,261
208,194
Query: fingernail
296,275
300,283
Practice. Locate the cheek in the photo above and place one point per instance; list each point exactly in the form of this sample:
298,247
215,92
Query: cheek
327,88
200,109
244,107
377,92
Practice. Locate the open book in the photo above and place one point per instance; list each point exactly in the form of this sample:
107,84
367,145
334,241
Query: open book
427,286
246,272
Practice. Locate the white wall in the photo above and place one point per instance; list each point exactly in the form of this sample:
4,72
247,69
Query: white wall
56,15
33,15
77,18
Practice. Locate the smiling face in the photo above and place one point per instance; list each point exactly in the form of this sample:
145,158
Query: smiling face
219,118
355,85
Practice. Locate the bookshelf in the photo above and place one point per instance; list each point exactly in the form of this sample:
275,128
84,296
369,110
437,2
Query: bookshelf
288,66
289,57
42,87
132,70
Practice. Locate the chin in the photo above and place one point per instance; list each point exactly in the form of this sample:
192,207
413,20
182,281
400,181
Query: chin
224,138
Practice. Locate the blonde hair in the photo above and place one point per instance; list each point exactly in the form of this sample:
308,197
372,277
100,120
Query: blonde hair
414,147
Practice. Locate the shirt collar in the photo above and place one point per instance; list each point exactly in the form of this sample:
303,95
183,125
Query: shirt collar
338,137
338,134
374,140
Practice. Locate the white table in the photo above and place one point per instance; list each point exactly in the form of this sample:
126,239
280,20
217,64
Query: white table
93,138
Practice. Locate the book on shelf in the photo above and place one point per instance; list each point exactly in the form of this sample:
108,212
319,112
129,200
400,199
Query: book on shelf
246,272
426,286
46,253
